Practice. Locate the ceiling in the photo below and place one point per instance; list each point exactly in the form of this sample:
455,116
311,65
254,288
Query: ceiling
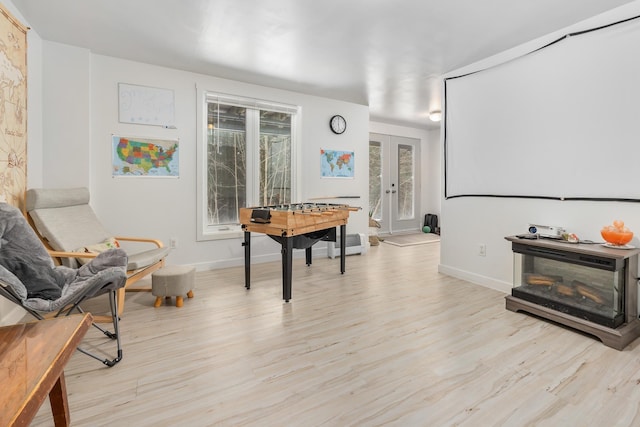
388,54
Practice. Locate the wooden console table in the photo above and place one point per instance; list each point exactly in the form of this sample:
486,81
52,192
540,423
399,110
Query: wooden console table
32,361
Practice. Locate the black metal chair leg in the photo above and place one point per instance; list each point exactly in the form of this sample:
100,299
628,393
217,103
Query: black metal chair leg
113,303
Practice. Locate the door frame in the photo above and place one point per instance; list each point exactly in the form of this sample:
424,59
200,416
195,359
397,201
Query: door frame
389,222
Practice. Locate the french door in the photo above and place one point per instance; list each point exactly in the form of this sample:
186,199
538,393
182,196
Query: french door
394,177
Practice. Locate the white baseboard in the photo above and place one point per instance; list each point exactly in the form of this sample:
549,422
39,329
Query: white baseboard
319,251
477,279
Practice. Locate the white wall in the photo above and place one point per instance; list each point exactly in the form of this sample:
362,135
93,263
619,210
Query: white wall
66,118
82,122
469,222
434,175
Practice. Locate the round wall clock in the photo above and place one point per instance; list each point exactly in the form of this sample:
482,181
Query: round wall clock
338,124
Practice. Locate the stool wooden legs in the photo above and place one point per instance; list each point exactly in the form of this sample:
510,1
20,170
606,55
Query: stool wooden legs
179,300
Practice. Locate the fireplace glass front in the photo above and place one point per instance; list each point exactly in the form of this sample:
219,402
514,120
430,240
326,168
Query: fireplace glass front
585,286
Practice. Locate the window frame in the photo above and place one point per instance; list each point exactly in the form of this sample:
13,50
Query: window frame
204,97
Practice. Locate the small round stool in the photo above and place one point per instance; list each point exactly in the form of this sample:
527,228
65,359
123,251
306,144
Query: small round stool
173,280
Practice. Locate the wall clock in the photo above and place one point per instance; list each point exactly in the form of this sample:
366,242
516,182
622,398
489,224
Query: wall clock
338,124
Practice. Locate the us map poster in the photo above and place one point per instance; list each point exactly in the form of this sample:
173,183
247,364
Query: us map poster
150,157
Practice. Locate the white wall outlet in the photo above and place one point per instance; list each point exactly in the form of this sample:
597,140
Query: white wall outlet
173,243
482,249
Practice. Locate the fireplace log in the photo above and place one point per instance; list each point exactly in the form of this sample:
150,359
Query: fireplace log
588,292
541,279
565,290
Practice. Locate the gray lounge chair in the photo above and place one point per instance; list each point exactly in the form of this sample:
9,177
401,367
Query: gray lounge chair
29,278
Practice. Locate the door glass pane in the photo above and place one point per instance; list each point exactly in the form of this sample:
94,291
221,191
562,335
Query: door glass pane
226,161
405,181
275,158
375,180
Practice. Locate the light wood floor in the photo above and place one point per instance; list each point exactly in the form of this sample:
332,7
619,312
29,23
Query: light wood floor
390,342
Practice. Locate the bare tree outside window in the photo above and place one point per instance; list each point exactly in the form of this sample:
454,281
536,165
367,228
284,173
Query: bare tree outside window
275,158
227,163
227,154
405,181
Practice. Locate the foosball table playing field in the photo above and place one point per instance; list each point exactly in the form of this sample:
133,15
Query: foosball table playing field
294,226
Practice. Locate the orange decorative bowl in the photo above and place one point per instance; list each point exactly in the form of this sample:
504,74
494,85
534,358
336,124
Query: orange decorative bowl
616,237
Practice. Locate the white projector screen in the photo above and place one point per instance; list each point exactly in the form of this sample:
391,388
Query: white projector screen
561,122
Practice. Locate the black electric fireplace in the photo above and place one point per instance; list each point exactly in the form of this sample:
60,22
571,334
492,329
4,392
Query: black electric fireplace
585,286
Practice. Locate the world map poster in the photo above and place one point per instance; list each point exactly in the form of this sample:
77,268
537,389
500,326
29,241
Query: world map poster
13,110
145,157
336,164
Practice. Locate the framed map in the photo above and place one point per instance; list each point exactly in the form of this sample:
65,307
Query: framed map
13,110
336,164
132,156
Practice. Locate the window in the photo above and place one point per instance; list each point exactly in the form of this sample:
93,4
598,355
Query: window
248,160
405,181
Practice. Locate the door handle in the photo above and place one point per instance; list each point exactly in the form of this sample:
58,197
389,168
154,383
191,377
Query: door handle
388,191
393,191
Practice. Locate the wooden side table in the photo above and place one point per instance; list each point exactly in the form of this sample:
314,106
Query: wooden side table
32,361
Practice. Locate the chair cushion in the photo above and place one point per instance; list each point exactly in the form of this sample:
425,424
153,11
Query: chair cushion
136,261
147,258
45,198
69,228
103,273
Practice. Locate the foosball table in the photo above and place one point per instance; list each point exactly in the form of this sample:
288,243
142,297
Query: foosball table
294,226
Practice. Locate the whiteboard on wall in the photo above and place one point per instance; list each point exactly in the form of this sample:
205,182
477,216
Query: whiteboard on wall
146,105
561,122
